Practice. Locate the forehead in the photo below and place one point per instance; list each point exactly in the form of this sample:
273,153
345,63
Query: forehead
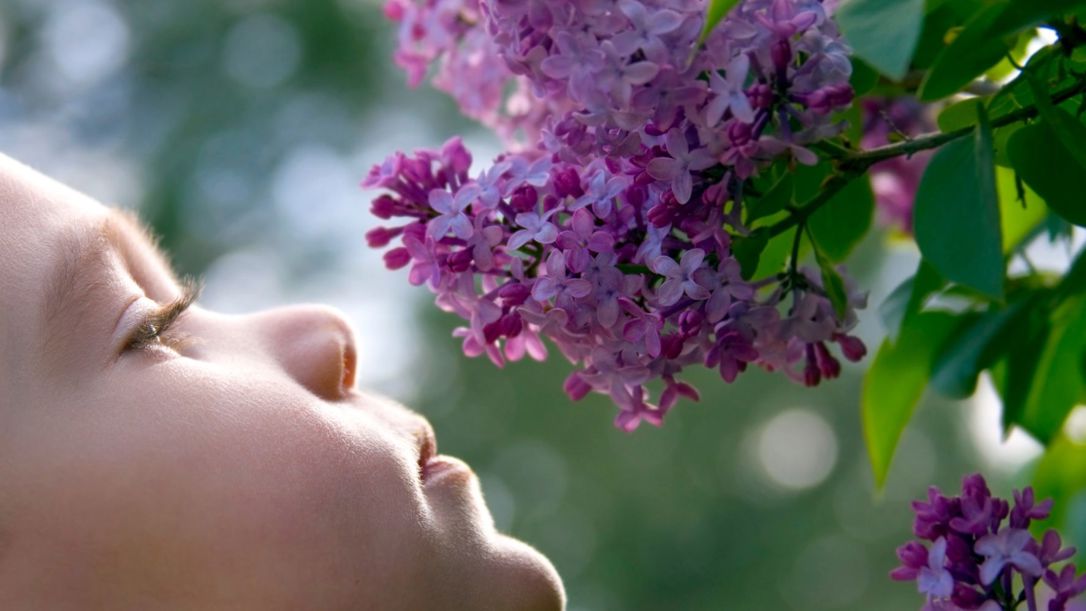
36,213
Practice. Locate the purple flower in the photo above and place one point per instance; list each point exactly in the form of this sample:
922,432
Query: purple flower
647,29
785,19
609,126
728,93
556,284
452,213
426,267
620,76
1026,511
678,168
1065,585
536,228
602,191
583,238
679,277
1007,547
577,54
933,579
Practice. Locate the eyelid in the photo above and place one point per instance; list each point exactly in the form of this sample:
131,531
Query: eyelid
145,317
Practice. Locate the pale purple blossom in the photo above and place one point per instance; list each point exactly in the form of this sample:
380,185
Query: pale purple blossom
729,93
606,225
678,168
679,277
974,559
1006,548
933,579
452,214
536,228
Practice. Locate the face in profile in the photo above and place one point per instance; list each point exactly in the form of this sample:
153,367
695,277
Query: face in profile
154,454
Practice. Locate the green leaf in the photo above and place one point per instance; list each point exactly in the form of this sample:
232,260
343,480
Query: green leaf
1070,132
1020,218
907,300
773,201
776,255
809,180
748,249
883,33
958,115
971,53
957,215
1024,349
895,382
1018,15
984,42
844,220
1043,163
1060,368
716,12
864,77
972,349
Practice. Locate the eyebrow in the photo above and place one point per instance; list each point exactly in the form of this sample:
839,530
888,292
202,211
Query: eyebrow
78,274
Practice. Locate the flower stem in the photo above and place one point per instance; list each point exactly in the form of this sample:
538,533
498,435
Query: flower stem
855,165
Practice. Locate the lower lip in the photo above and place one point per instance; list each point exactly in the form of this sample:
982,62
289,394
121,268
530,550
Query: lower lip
440,467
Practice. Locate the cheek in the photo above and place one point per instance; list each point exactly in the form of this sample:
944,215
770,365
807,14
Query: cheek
248,483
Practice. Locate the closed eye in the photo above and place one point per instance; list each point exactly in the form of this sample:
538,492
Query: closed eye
155,327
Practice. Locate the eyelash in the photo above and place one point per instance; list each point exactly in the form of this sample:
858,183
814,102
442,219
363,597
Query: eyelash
156,328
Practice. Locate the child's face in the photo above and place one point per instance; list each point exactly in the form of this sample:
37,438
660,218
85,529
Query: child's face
238,469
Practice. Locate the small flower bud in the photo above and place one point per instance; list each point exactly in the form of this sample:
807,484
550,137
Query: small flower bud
397,258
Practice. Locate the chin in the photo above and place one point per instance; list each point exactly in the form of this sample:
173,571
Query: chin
529,580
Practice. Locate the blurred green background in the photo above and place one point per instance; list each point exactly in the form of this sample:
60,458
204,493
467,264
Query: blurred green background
241,128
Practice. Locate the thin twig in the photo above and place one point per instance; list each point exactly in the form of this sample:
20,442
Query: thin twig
856,164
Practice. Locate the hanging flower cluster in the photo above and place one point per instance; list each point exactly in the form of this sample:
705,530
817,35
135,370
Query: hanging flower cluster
608,228
976,561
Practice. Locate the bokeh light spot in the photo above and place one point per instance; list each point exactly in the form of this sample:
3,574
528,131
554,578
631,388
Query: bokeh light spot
261,51
797,449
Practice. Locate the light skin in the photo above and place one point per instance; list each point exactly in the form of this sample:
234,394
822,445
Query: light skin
229,463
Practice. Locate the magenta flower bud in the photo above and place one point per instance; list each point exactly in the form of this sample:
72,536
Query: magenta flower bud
852,347
811,374
966,597
394,10
828,366
511,325
841,94
760,96
567,183
524,199
397,258
575,387
913,554
690,322
637,195
653,130
740,134
671,346
781,54
379,237
384,206
661,215
460,261
492,331
514,293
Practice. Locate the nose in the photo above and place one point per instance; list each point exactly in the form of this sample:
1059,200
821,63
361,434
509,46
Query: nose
314,345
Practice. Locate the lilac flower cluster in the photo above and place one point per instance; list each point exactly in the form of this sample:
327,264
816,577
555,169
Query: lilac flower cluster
609,230
975,561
